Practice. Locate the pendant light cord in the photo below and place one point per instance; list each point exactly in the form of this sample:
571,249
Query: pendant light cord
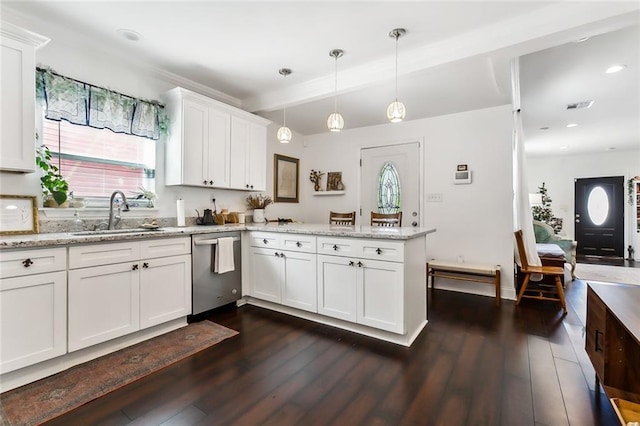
397,36
335,88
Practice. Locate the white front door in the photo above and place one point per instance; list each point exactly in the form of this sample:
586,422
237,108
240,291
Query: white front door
405,158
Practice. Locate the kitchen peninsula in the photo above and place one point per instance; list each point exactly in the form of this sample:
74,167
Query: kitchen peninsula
365,279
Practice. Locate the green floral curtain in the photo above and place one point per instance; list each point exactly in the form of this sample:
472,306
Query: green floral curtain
87,105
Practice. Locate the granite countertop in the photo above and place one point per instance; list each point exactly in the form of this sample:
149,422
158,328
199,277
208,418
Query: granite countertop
69,238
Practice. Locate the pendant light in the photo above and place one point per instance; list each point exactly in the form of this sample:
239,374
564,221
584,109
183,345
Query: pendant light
396,110
284,133
335,122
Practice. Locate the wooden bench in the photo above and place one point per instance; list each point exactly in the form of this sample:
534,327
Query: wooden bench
489,274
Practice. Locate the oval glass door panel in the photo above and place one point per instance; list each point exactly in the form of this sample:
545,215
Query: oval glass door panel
598,205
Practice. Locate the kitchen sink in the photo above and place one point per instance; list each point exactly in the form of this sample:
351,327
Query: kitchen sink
112,231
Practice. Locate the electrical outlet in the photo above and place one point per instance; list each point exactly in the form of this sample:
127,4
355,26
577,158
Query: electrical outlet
434,197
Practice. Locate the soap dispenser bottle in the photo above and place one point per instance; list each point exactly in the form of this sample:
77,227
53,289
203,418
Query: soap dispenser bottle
78,224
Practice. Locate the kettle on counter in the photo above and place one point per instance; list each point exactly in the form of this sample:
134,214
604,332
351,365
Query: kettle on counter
206,219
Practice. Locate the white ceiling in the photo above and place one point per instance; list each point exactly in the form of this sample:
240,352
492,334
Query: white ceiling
455,57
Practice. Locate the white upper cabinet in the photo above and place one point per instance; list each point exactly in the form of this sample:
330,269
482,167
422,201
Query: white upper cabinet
210,143
248,155
17,98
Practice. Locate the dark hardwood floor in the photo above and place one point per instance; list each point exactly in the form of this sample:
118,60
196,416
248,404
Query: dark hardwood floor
474,364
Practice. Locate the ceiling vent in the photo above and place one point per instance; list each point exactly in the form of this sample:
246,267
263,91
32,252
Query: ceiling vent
580,105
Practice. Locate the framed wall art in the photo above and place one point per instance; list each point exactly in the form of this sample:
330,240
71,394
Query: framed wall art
18,214
334,181
285,181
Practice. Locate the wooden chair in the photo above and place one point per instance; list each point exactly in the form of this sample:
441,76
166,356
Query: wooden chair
342,218
386,219
541,293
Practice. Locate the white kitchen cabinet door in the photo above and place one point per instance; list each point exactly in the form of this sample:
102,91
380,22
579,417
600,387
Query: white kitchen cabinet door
195,146
17,103
337,281
199,148
299,280
248,155
165,289
33,319
265,274
104,303
380,295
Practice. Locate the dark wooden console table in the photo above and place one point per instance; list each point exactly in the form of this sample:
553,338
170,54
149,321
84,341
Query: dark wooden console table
613,338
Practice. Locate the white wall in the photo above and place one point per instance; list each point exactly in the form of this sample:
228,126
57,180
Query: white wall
558,172
473,221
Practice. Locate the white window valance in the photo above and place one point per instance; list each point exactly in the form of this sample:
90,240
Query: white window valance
88,105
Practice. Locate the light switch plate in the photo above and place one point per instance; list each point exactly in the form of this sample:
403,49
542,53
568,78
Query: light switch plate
434,197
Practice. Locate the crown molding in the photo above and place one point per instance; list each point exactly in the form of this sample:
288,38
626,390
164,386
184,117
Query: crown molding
22,35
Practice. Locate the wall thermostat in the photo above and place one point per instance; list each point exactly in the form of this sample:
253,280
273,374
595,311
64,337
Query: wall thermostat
462,177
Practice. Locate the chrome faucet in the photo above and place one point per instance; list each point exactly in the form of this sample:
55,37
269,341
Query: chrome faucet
115,219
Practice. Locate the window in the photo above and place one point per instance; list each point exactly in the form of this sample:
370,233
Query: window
97,162
388,189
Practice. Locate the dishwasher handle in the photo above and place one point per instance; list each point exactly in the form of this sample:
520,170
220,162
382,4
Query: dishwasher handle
211,242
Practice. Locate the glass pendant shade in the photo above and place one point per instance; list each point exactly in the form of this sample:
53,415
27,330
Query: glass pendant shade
335,122
396,112
284,134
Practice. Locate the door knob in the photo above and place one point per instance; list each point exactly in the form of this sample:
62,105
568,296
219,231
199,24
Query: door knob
414,223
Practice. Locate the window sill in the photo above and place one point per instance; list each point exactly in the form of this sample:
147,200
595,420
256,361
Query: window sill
90,212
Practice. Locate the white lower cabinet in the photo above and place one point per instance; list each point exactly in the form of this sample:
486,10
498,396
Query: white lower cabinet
33,306
112,300
33,319
104,303
364,291
165,289
285,277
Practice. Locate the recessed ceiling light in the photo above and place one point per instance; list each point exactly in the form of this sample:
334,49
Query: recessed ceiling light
581,39
615,68
544,128
129,34
564,147
572,125
611,148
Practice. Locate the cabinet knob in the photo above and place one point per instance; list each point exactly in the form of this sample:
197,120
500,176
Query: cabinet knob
265,241
251,186
247,186
27,262
134,267
360,264
335,247
204,181
277,254
210,182
145,265
298,244
597,348
378,251
351,263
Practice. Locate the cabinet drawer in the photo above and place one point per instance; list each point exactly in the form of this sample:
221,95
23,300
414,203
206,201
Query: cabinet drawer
150,249
29,262
103,254
339,246
297,242
382,250
264,239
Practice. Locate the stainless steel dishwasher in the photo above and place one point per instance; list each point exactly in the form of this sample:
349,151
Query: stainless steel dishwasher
211,290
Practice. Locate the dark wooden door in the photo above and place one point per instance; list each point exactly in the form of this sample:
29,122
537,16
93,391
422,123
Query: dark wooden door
599,216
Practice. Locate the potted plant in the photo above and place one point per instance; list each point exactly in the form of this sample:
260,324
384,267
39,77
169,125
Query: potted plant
54,186
258,202
145,194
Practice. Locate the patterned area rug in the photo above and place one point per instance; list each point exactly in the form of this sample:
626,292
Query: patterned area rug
55,395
